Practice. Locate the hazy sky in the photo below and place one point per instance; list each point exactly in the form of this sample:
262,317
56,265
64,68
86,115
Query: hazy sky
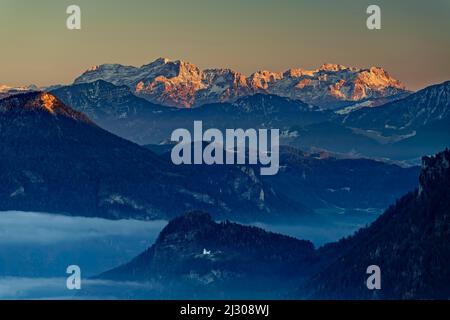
245,35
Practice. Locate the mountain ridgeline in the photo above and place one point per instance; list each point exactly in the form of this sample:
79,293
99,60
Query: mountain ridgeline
410,242
54,159
422,108
184,85
197,257
403,129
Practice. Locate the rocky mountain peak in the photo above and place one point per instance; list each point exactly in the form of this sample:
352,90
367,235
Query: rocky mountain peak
435,169
332,67
297,73
260,80
40,102
378,77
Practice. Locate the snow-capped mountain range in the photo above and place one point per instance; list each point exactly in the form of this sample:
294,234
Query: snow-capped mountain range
182,84
6,90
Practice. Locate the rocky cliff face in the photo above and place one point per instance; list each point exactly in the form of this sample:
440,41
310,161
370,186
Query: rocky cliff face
182,84
435,172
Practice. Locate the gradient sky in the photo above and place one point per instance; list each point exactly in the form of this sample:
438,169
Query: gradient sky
245,35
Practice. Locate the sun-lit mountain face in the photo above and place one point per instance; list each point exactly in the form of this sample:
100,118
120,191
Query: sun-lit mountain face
48,101
182,84
7,90
40,103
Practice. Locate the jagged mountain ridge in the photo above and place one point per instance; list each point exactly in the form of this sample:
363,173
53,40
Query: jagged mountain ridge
182,84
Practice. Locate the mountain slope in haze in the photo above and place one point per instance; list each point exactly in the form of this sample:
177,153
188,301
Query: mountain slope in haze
182,84
410,242
103,101
323,181
117,110
6,91
402,130
424,107
334,137
405,129
54,159
196,257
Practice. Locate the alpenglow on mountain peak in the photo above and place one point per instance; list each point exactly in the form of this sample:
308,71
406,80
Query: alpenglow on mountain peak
181,84
40,102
